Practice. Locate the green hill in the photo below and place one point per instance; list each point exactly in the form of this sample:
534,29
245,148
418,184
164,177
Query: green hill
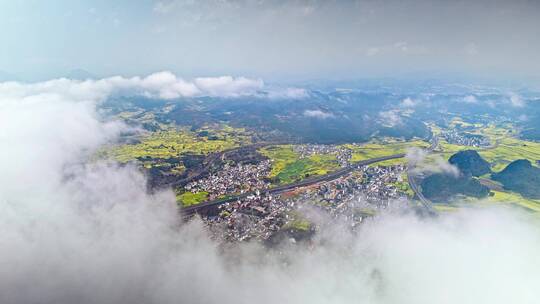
520,176
441,187
469,162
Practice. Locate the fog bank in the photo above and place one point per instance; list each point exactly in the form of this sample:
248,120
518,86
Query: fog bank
90,233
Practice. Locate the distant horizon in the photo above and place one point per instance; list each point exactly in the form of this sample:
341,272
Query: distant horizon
274,40
411,78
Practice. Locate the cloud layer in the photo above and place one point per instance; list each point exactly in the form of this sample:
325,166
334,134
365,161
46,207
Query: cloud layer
164,85
74,232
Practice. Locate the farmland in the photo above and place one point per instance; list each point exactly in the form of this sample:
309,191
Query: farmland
378,148
189,198
505,146
288,166
173,142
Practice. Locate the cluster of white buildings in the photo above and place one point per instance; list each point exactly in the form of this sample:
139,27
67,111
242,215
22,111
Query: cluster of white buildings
260,216
257,217
465,139
239,178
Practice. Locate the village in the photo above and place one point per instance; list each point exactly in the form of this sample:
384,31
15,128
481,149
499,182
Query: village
261,216
238,178
465,139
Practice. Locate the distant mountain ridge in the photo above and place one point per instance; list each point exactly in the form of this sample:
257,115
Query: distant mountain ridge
330,118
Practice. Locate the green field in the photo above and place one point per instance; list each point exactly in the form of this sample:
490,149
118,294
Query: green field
385,147
288,167
190,198
498,198
516,199
510,149
505,146
173,142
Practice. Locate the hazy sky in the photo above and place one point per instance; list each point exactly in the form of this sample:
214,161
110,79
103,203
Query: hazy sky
270,39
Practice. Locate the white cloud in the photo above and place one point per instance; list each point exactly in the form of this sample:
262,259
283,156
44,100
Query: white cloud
288,93
470,99
390,118
318,114
417,160
409,103
163,85
229,86
168,86
516,100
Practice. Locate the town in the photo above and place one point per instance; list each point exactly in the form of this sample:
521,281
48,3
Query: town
261,216
465,139
233,179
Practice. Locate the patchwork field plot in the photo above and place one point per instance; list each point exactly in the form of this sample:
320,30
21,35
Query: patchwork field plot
190,198
384,148
173,142
288,166
516,199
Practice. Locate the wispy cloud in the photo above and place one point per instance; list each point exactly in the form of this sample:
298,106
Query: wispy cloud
287,93
470,99
318,114
516,100
417,159
409,103
390,118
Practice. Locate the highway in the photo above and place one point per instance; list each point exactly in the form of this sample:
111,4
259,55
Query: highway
317,179
280,189
414,186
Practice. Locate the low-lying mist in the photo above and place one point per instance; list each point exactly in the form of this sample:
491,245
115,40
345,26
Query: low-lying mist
73,232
